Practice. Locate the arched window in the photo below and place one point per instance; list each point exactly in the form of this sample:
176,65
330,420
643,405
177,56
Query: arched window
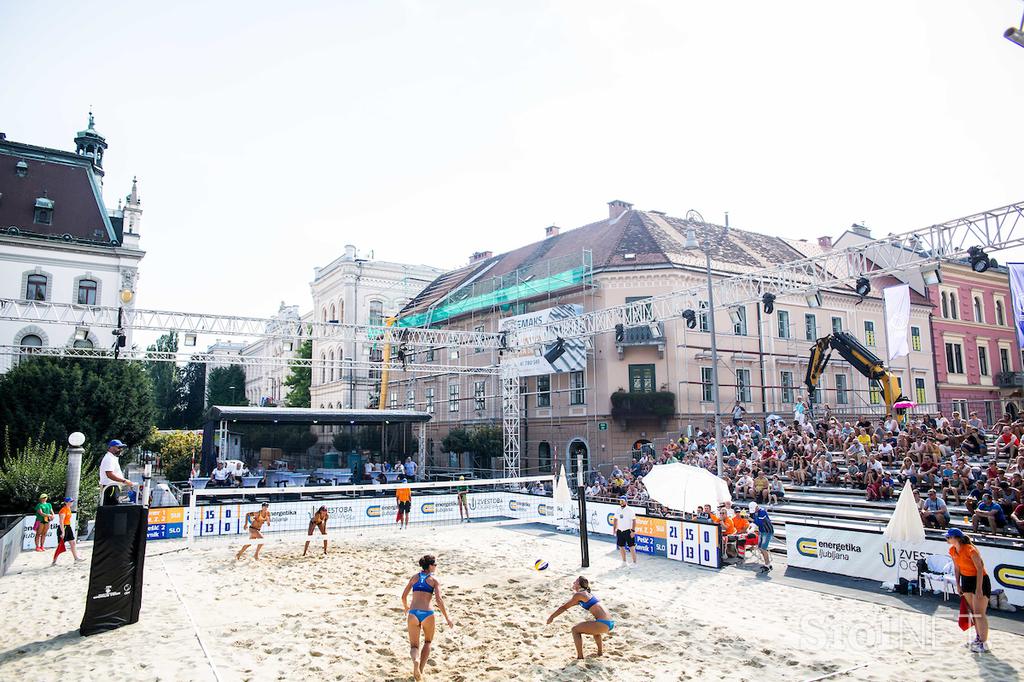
341,311
323,315
945,305
86,292
376,314
952,306
1000,318
35,289
543,458
331,360
82,343
323,369
31,341
333,317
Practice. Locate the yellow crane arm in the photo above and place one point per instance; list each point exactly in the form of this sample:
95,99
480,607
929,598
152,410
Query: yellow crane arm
385,360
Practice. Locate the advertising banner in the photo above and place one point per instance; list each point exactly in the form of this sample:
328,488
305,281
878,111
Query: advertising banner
537,354
1017,298
650,536
28,532
862,554
165,522
897,320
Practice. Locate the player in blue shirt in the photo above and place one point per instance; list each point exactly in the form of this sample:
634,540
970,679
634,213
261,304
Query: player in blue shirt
765,533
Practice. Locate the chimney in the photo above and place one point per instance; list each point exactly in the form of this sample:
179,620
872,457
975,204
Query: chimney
551,231
350,252
480,255
861,229
617,208
825,243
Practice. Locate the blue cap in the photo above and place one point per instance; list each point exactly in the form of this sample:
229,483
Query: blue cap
622,497
116,444
955,533
68,499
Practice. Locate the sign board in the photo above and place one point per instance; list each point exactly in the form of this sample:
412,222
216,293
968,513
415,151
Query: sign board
602,426
863,554
28,532
533,343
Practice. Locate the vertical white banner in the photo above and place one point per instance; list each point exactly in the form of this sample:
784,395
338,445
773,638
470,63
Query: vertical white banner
1017,297
897,320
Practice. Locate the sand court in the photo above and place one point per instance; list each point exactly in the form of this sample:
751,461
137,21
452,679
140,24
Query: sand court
339,617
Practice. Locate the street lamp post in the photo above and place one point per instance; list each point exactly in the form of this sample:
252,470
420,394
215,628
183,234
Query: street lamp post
692,243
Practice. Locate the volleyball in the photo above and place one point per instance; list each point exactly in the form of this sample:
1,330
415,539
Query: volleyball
540,565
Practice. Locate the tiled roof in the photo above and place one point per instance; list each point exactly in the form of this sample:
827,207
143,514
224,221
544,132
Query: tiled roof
61,176
633,240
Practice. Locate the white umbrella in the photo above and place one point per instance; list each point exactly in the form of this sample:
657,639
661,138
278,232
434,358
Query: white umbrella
562,499
682,487
905,525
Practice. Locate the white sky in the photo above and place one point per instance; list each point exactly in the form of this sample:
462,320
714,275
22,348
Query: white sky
267,135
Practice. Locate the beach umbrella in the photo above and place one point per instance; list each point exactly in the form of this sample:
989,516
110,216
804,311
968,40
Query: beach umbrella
905,525
562,494
682,487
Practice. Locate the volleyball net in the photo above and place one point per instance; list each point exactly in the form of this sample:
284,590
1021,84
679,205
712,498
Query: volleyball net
224,513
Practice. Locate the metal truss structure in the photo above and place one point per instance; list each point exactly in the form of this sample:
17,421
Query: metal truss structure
993,230
244,360
138,319
510,428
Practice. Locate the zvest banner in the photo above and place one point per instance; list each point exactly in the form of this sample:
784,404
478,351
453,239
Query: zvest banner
1017,296
863,554
897,320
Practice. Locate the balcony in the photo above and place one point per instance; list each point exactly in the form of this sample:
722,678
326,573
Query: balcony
628,406
645,335
1010,379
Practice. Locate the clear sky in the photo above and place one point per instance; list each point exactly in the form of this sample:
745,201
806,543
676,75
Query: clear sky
266,135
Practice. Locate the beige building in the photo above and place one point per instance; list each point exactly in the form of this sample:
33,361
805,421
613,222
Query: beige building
264,378
605,410
355,290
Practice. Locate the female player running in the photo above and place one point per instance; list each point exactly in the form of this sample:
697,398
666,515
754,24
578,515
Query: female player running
602,623
319,520
254,522
463,493
419,615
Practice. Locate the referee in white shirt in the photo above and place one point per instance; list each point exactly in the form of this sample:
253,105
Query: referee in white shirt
111,477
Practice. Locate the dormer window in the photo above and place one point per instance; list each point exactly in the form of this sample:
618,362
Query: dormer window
21,169
44,211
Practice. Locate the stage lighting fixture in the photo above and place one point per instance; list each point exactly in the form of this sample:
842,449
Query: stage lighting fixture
1015,35
980,262
734,316
691,318
768,303
556,351
863,287
931,274
813,298
620,333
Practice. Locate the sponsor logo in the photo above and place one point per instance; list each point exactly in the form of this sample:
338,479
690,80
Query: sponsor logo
485,502
888,555
373,511
807,547
516,505
127,588
109,592
907,558
427,507
611,518
1010,576
545,509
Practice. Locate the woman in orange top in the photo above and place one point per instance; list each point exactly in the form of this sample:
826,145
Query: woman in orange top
975,585
67,533
404,498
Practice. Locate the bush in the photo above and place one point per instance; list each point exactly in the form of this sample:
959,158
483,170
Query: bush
38,468
177,450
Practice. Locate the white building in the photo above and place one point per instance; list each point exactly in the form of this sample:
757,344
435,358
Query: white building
225,354
354,290
264,381
59,242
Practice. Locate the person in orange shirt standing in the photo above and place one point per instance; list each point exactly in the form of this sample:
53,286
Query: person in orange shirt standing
404,498
974,583
67,533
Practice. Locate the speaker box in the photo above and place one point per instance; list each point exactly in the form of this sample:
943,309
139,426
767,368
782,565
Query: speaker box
115,576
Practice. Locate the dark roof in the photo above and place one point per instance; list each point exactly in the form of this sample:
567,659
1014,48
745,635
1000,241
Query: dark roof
307,415
63,177
634,240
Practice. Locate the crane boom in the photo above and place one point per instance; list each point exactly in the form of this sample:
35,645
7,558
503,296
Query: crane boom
861,359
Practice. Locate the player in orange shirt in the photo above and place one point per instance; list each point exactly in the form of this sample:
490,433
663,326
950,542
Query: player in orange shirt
974,583
67,535
404,498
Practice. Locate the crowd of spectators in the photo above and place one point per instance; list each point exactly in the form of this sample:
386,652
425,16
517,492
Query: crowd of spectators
946,460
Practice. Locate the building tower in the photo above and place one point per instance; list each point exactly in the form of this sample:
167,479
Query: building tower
132,209
90,143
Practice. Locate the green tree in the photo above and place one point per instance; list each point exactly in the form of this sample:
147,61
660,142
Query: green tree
299,378
177,451
226,386
166,378
49,398
458,440
487,442
193,395
41,467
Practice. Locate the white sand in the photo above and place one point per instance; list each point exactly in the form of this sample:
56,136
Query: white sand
339,617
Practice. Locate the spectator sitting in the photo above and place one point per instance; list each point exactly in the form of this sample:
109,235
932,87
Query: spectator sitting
777,491
975,495
761,487
989,511
744,487
934,512
955,487
1017,518
220,477
886,487
1007,444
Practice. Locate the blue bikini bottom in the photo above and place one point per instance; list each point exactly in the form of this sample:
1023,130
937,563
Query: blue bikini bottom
420,614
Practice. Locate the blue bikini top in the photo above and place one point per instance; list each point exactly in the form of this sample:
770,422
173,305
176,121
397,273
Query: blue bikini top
421,584
590,602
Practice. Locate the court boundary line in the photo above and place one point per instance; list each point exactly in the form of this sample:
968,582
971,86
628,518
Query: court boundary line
195,627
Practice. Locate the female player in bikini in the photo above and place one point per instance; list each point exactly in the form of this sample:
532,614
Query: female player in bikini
419,615
602,623
254,522
319,520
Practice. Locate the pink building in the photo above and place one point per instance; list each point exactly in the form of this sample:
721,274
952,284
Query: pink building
977,360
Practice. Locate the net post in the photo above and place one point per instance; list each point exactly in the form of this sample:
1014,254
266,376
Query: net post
581,493
190,524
